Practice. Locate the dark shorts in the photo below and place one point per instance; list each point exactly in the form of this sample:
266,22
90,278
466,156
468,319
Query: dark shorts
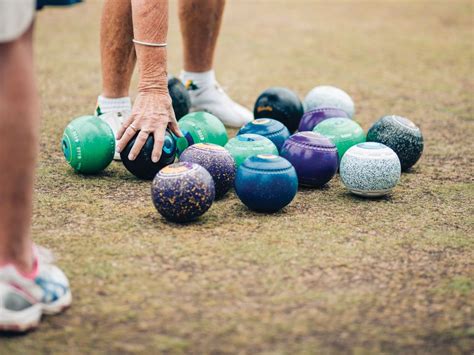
41,3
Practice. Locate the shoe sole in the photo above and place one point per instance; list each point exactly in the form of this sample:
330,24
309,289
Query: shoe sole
21,321
29,319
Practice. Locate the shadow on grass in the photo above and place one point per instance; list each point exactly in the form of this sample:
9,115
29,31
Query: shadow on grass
115,171
414,170
110,174
226,198
307,189
202,220
15,335
361,199
242,210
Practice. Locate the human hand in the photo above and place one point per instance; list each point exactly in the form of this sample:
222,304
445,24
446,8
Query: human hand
152,113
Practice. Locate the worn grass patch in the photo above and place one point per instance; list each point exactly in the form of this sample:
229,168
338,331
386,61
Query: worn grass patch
331,272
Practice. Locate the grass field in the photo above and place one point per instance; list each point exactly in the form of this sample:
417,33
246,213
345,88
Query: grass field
331,273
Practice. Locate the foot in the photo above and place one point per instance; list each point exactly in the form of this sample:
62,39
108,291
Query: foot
213,99
114,119
25,298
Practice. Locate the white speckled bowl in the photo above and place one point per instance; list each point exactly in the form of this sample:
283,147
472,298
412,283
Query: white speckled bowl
370,169
326,96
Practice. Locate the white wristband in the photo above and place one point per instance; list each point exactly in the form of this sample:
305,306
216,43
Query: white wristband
149,44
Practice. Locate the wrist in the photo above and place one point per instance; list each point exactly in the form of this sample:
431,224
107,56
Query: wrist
153,75
157,84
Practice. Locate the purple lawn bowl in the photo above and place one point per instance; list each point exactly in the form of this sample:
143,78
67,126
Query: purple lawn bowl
182,192
311,118
313,156
216,160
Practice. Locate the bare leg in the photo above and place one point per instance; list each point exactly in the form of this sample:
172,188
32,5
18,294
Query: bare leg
200,24
19,120
116,48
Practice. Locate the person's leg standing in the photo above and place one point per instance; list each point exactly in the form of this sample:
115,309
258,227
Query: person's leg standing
116,48
118,62
19,117
200,24
29,284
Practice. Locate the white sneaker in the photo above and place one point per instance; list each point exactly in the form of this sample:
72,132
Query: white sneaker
115,119
214,100
25,298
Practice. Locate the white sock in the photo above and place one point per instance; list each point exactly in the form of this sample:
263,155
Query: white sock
202,79
112,105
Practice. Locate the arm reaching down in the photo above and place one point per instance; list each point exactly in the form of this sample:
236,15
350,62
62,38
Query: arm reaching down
152,111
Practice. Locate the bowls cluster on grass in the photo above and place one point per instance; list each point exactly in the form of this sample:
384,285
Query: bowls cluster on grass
263,162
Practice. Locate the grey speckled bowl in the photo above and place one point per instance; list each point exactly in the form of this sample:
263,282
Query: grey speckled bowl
400,134
370,169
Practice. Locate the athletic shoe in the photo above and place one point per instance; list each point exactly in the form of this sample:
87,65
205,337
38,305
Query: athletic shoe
213,99
24,298
114,119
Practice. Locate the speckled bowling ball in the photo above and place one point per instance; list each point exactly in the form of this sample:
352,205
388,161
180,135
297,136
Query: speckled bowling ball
269,128
400,134
281,104
216,160
370,169
329,96
182,192
266,183
313,156
143,167
312,118
343,132
246,145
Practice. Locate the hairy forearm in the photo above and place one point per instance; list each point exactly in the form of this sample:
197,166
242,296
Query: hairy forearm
150,24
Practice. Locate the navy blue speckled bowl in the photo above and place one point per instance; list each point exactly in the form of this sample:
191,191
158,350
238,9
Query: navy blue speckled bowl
182,192
217,161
